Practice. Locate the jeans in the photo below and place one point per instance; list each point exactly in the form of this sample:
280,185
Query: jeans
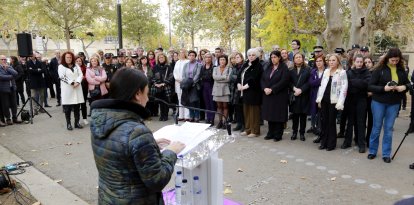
382,114
195,114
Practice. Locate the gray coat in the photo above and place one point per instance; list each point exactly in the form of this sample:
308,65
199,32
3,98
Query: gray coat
7,79
221,82
196,71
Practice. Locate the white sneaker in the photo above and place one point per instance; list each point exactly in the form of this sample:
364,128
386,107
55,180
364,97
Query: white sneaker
85,122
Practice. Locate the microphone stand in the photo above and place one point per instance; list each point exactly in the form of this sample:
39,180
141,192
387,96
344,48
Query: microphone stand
227,123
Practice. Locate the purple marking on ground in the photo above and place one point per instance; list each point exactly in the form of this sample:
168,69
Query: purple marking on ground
170,195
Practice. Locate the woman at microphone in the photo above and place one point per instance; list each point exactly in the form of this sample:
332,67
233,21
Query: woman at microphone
132,169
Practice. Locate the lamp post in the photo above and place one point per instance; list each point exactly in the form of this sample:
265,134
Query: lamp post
118,11
248,24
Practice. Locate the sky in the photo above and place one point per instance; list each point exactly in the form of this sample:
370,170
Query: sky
163,16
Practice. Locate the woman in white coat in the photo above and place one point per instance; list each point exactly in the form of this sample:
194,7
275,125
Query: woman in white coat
178,76
71,76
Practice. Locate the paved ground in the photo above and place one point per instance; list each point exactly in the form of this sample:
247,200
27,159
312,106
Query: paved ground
308,176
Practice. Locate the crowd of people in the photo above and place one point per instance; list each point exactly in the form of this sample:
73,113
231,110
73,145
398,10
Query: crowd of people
330,88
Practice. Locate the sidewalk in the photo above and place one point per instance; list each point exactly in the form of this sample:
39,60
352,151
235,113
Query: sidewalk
41,186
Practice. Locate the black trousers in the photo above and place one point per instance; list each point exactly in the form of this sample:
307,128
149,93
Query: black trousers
58,92
296,118
20,94
328,114
239,114
343,116
356,122
85,91
76,112
8,102
163,107
369,119
275,130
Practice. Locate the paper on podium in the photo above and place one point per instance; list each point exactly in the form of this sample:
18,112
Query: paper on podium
188,133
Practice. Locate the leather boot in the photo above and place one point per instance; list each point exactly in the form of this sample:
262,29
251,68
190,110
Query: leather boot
238,127
294,136
219,125
67,116
317,140
302,137
77,124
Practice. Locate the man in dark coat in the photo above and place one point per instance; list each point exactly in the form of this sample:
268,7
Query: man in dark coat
36,71
53,70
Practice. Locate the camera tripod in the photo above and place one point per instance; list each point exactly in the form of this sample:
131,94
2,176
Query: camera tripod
31,115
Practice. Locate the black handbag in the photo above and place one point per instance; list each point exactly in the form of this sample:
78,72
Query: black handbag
292,97
95,92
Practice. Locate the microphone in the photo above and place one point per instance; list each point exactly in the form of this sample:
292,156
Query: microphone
227,123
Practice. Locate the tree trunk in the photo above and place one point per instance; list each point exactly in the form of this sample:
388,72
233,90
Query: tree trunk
44,44
333,32
192,39
360,24
67,37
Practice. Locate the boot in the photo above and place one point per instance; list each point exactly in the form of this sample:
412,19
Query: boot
67,116
238,127
302,137
77,124
294,136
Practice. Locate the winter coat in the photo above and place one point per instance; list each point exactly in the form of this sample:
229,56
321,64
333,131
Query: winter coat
314,83
380,77
70,94
21,77
235,94
178,74
358,80
53,69
221,82
7,82
275,105
339,86
36,71
131,168
94,80
251,75
301,104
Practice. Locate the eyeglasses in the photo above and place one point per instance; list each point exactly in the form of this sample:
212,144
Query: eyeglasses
3,59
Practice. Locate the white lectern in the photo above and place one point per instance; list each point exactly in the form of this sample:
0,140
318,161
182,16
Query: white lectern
200,158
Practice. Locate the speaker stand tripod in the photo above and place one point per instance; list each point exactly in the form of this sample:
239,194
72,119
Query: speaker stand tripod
29,100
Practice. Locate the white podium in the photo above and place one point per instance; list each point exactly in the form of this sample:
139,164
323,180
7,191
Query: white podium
200,158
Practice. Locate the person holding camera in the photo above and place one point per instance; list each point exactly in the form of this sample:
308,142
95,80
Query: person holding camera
388,84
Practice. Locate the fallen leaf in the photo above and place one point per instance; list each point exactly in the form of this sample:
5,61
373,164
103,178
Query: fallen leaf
97,187
283,161
58,181
68,144
79,143
68,153
36,203
33,150
227,191
333,178
44,163
303,177
239,170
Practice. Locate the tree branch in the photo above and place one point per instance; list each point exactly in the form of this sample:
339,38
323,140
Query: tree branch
370,7
295,21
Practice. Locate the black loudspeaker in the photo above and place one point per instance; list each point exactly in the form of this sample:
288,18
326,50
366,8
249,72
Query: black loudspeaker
24,44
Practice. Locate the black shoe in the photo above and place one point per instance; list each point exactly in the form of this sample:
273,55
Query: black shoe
79,126
294,136
411,166
58,104
411,128
237,128
371,156
311,130
345,146
48,106
302,137
330,149
386,159
277,139
69,127
362,149
268,137
322,147
340,135
317,140
161,118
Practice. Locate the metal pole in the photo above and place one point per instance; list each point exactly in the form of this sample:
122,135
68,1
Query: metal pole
118,9
169,21
248,24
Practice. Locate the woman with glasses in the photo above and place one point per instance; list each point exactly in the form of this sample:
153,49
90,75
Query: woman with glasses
389,82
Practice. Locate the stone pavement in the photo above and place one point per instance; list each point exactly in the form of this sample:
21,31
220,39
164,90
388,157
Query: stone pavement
255,170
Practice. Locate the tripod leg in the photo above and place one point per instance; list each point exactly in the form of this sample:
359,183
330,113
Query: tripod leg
395,153
42,108
21,109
